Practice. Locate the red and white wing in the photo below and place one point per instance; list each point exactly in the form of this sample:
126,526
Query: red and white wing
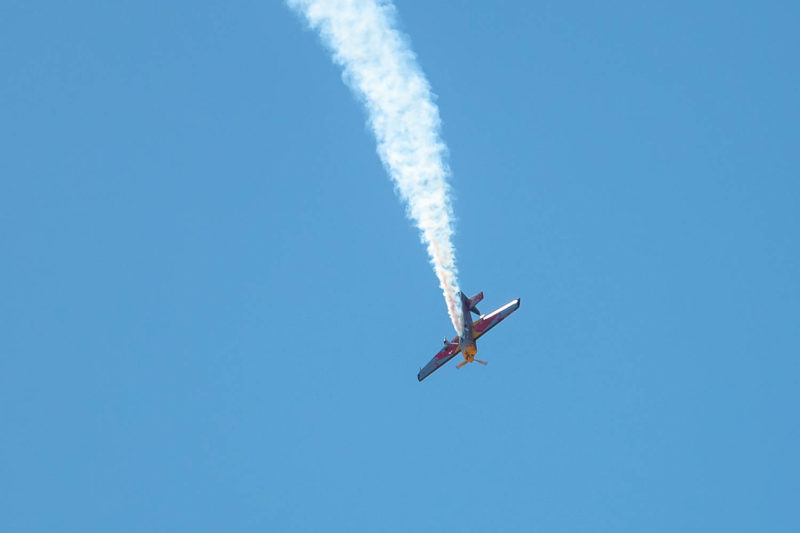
449,351
485,323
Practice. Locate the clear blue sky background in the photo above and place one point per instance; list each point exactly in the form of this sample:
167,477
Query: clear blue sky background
212,309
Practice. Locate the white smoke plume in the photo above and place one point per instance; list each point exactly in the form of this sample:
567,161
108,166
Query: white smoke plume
380,68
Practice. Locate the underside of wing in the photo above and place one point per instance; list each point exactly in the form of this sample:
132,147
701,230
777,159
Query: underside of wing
449,351
485,323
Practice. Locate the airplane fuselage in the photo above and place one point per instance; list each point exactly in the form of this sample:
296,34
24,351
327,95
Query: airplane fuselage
467,340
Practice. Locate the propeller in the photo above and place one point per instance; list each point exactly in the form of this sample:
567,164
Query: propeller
464,362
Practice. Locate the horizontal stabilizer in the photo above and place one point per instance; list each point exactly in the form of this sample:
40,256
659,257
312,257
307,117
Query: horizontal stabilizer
472,303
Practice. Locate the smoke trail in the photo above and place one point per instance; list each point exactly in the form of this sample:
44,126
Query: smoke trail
381,69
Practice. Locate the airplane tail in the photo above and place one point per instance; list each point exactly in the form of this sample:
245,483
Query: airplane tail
472,303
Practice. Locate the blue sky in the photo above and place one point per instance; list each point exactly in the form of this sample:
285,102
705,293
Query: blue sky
213,308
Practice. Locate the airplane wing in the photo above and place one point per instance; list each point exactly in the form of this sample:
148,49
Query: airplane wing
485,323
449,351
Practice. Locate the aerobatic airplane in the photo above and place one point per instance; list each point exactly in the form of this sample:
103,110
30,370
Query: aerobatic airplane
465,343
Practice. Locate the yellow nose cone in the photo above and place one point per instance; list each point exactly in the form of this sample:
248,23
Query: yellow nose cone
472,350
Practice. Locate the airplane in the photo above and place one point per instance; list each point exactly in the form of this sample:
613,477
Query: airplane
465,343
